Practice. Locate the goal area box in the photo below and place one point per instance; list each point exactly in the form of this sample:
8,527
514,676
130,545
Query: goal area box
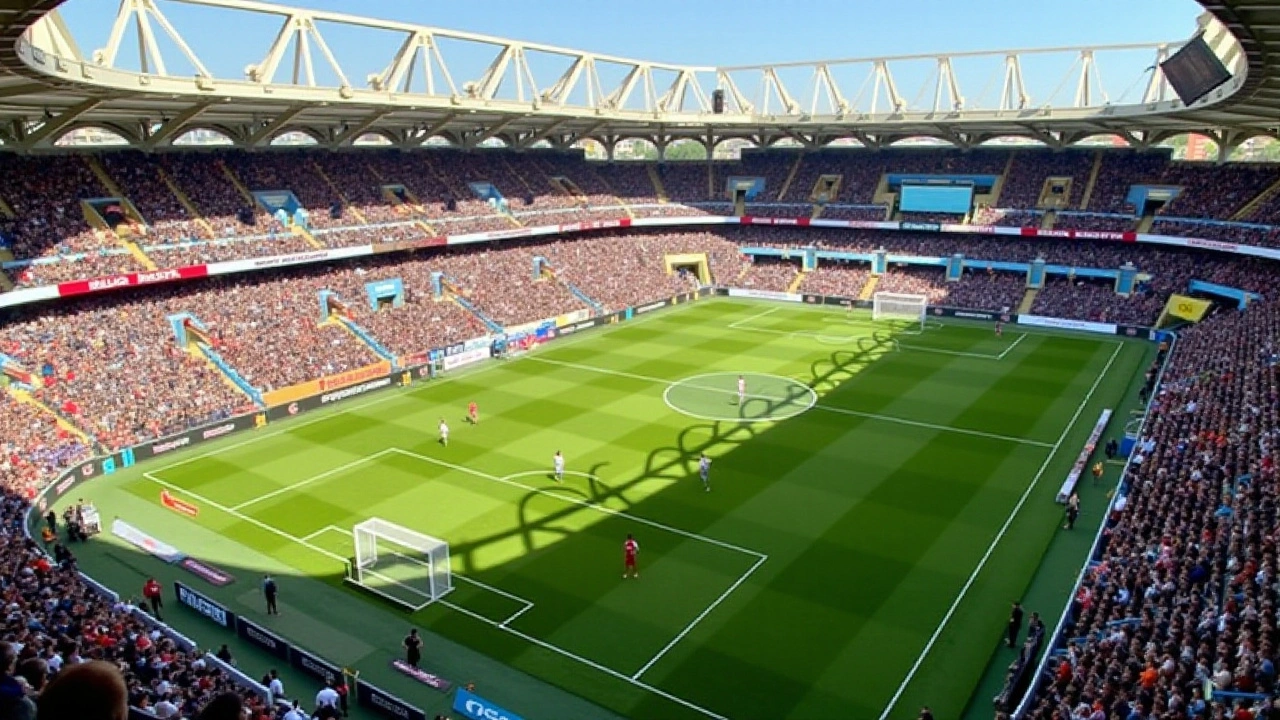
404,566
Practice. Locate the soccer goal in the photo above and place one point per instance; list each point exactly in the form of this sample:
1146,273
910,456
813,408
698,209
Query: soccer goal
402,565
903,309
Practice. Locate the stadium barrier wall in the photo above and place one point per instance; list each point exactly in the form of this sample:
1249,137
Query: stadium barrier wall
365,693
1059,640
324,384
140,279
301,659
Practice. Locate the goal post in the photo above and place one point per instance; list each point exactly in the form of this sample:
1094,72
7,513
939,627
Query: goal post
403,565
900,307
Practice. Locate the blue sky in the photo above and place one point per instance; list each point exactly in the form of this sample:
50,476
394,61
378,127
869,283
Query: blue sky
691,32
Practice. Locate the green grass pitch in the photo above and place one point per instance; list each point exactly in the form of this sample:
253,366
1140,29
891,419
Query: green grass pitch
877,499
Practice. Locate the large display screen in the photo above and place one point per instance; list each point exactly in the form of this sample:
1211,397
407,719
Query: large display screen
933,198
1194,71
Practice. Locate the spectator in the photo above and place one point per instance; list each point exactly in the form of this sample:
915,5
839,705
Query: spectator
92,690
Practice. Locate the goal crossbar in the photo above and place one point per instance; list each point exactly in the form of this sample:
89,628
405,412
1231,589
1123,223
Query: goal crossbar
401,564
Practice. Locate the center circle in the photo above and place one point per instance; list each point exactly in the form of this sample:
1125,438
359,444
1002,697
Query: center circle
714,396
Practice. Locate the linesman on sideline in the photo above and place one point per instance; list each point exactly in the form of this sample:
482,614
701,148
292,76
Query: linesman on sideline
270,591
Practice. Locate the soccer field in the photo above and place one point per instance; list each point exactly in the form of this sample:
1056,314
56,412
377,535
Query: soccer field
877,500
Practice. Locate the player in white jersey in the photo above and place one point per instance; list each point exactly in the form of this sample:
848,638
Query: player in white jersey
558,463
742,389
444,433
704,471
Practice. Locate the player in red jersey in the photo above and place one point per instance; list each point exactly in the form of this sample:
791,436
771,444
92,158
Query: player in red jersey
629,550
473,413
999,329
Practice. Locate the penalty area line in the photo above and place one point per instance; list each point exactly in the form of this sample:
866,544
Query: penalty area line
986,556
470,613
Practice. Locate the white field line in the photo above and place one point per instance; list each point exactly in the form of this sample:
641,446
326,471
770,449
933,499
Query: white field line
296,423
738,323
549,492
470,613
327,473
1013,514
743,326
688,628
819,406
1009,349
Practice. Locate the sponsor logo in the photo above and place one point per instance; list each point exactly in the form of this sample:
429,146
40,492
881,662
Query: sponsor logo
1053,233
937,311
203,605
260,420
86,470
921,227
384,288
1212,245
165,447
422,676
314,665
70,480
974,315
650,307
293,408
1005,318
178,505
377,700
218,431
1131,332
289,259
353,376
208,573
466,357
158,276
256,635
1096,235
109,283
477,708
354,390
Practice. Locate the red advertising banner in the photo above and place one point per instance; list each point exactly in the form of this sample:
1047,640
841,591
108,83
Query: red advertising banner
114,282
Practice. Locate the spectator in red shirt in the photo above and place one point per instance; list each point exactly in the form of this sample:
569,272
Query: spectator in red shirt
154,595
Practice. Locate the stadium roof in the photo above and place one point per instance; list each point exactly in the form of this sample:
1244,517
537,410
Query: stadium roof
49,87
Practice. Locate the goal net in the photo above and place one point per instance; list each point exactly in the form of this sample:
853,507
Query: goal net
402,565
905,310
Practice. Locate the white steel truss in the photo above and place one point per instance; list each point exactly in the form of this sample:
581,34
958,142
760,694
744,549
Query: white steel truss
531,92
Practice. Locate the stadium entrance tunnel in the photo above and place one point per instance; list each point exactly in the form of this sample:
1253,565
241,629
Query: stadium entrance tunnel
714,396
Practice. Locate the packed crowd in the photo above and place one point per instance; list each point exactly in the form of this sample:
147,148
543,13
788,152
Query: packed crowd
1183,592
111,367
346,194
58,628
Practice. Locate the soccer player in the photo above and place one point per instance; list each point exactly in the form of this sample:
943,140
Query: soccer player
704,471
558,464
742,389
999,329
444,433
629,550
473,413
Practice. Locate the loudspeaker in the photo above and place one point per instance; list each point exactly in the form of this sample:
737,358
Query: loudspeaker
335,210
717,101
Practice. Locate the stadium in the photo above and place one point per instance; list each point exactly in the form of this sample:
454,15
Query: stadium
509,381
